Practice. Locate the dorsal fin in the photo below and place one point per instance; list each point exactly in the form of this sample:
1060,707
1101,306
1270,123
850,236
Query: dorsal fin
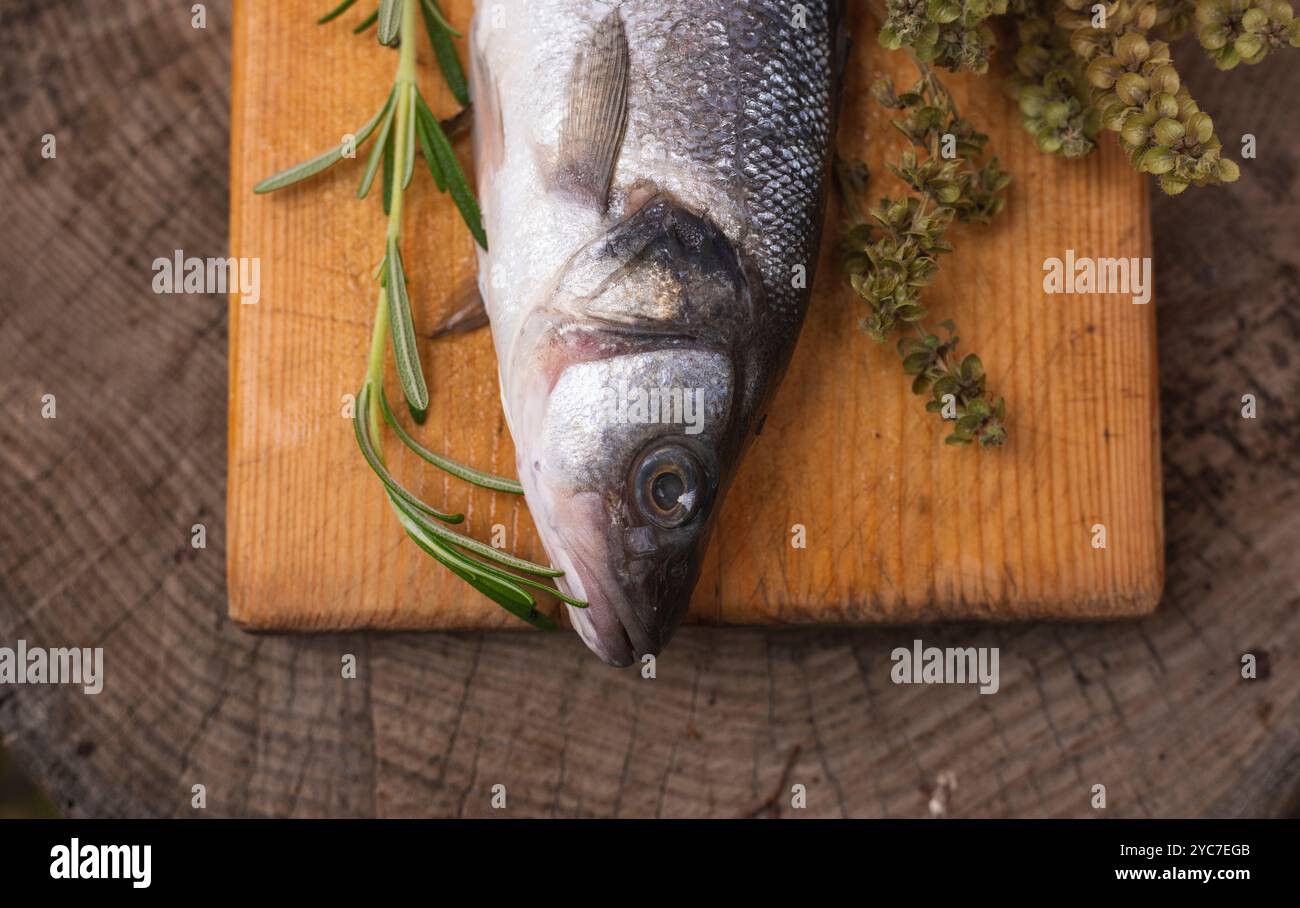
591,136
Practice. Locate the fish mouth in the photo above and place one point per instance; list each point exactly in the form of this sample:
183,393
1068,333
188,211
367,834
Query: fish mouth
615,628
598,624
632,610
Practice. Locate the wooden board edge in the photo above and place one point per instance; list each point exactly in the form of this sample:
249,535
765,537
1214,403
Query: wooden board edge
236,606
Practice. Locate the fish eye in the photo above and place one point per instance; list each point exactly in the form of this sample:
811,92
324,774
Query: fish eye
668,484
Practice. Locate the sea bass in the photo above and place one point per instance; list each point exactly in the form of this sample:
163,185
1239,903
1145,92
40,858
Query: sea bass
652,176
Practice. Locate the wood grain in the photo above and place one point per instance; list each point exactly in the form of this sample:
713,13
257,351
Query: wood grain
96,508
898,526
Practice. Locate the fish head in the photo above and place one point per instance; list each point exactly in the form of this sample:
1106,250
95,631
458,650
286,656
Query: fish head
630,413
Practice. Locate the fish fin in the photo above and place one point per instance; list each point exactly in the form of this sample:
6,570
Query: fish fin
458,124
489,128
591,136
468,313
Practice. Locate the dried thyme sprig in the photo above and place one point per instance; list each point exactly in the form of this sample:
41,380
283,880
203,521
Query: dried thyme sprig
892,255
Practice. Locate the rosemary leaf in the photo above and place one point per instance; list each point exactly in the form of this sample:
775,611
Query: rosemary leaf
321,162
388,175
359,427
336,12
457,185
426,149
534,584
377,152
366,23
432,7
390,20
439,36
410,507
459,470
408,155
405,353
441,535
505,593
473,545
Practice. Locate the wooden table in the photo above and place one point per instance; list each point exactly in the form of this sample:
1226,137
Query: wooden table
98,506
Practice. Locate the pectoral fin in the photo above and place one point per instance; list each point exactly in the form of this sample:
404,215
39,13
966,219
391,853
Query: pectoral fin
467,311
591,136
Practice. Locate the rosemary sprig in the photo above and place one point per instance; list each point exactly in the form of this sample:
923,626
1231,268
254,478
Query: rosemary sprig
328,159
504,588
403,123
446,464
432,134
892,254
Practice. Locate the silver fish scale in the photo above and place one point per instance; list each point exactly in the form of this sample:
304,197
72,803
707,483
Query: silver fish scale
740,89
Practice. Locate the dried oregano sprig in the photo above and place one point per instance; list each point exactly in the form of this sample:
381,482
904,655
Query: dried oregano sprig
1081,64
1244,31
892,255
1048,84
949,33
1138,91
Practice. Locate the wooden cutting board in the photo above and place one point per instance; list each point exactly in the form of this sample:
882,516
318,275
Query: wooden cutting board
898,526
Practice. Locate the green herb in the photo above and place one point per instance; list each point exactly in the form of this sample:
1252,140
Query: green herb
1049,87
435,142
891,255
390,20
1139,95
440,35
403,123
402,323
366,23
949,33
1081,66
504,588
460,471
321,162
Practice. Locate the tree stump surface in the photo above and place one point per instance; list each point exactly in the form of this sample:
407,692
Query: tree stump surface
98,505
